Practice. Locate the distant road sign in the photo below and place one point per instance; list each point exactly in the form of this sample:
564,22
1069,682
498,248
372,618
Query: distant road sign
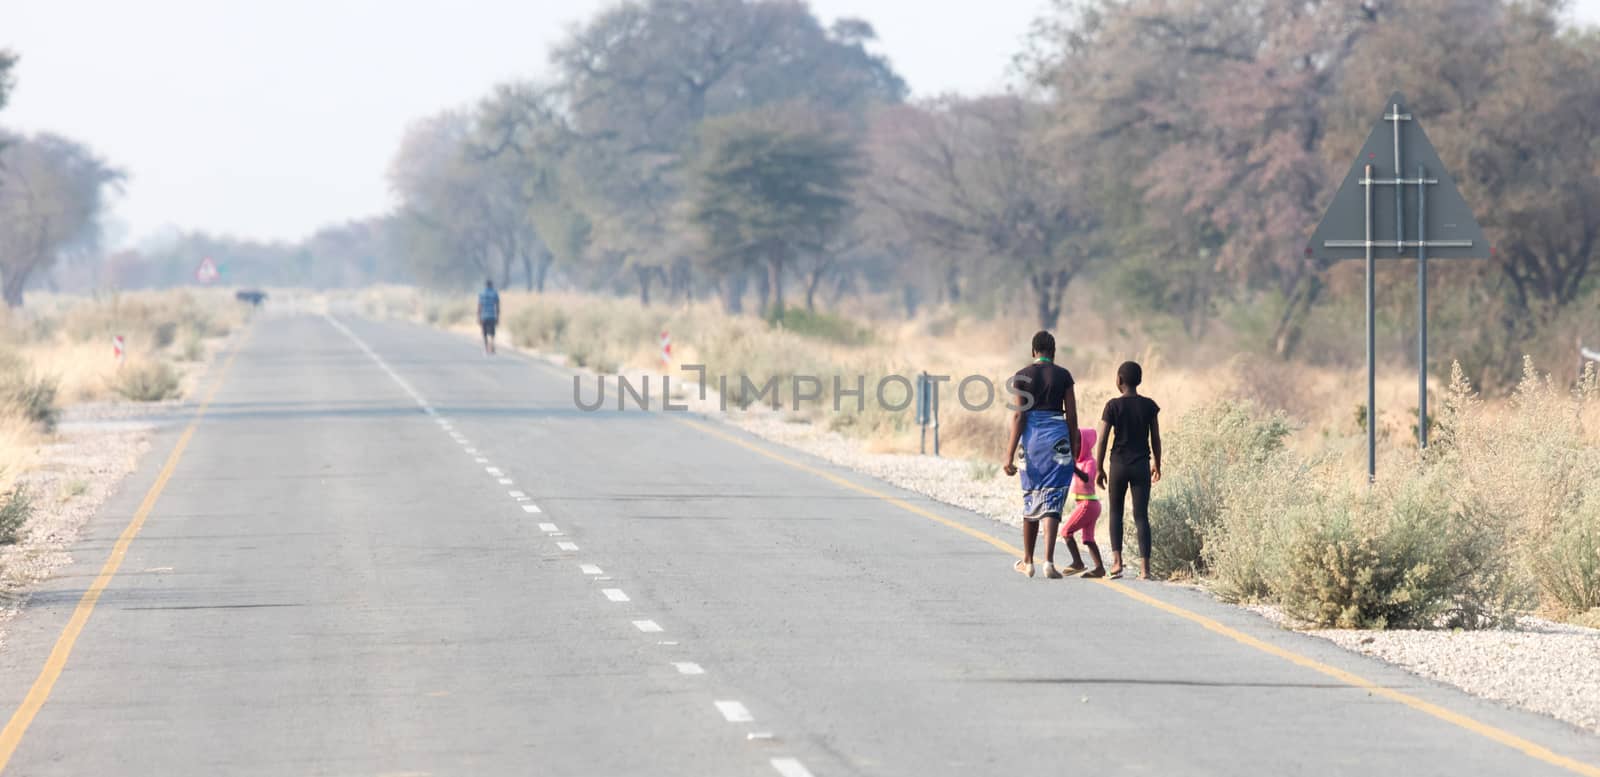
207,271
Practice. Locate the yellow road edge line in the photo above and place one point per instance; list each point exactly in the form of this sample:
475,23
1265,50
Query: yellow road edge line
39,692
1527,747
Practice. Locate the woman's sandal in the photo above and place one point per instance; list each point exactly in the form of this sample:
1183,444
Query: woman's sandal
1093,574
1051,572
1073,570
1023,568
1117,575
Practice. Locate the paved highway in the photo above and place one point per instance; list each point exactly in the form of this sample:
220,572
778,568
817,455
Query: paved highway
377,552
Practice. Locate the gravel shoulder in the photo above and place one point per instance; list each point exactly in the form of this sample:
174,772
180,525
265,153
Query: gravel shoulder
94,448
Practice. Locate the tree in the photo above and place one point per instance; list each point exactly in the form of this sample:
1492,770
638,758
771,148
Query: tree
521,130
1217,110
643,76
51,196
770,189
465,215
976,177
8,60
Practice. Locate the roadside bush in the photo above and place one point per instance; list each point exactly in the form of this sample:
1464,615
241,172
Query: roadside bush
29,395
1569,561
1210,454
1409,556
1244,549
146,381
820,325
1533,464
447,312
15,508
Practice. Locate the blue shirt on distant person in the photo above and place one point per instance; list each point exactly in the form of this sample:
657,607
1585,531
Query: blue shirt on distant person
488,304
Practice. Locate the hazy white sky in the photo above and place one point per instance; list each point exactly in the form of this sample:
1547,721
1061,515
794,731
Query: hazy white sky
269,118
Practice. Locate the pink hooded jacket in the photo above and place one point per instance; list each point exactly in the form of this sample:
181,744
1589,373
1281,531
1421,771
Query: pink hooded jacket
1086,438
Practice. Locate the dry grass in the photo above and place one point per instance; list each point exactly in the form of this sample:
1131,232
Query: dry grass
65,343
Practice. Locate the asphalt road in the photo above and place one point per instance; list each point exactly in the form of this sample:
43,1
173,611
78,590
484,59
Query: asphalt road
342,575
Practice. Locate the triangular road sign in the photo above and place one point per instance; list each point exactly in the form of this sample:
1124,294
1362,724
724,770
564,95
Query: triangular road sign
207,271
1451,230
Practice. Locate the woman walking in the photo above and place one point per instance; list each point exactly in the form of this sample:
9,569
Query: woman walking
1044,423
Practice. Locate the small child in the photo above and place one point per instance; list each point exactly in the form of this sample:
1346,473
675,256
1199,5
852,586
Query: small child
1086,509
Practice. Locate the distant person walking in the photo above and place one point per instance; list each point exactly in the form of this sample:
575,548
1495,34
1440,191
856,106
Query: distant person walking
1132,418
1045,425
488,314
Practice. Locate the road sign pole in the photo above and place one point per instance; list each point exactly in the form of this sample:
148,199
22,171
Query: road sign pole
1422,305
1372,343
1399,189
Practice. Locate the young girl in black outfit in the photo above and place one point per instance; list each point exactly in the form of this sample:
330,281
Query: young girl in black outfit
1138,440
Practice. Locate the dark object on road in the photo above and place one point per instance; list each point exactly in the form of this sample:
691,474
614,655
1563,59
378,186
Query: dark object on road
252,296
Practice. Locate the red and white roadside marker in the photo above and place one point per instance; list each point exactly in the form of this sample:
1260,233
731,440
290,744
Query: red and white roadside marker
666,349
117,349
207,273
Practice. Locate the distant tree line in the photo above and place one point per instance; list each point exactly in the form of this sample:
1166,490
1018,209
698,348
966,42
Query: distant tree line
1178,152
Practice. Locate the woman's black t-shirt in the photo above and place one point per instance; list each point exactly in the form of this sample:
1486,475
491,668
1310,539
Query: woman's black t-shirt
1129,419
1047,383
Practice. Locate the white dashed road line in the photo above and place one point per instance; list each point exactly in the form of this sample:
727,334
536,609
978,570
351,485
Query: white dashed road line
790,767
734,712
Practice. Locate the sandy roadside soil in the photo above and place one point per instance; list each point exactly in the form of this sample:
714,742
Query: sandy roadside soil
95,447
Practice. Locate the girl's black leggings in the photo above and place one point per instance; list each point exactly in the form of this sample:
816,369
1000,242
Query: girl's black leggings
1120,481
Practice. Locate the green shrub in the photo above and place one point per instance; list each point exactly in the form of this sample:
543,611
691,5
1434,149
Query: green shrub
823,326
1210,455
448,312
1569,561
1244,548
1403,557
32,396
15,508
193,348
146,381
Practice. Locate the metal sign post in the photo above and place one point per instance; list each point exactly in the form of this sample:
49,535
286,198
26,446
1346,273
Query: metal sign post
1449,219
